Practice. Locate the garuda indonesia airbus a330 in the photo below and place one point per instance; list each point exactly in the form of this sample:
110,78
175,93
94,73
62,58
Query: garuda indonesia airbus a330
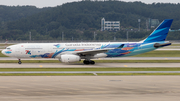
72,52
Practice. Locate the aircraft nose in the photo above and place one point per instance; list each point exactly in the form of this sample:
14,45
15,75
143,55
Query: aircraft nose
3,52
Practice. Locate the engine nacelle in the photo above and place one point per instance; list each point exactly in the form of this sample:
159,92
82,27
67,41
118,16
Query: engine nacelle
70,58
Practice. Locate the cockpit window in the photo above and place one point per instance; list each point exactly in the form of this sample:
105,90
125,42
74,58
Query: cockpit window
8,48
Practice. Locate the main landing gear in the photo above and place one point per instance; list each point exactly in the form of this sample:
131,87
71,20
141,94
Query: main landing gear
87,62
19,62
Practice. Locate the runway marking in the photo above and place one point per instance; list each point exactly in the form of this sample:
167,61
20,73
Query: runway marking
4,87
14,94
19,89
166,58
70,92
73,89
101,88
125,66
81,98
40,66
32,59
95,74
40,92
48,89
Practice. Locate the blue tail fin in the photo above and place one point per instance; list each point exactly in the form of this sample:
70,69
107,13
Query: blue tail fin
160,33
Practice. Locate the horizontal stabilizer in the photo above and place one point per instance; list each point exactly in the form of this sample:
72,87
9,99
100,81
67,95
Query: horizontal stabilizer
157,45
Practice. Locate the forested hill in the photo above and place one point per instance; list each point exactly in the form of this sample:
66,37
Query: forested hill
11,13
80,19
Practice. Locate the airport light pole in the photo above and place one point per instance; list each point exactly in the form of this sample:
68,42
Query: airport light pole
139,20
127,36
30,36
114,38
62,35
95,35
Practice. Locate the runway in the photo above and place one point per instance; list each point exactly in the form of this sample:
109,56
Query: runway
81,65
88,88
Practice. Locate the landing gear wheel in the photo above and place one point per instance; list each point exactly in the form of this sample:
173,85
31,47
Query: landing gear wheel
19,62
87,62
92,62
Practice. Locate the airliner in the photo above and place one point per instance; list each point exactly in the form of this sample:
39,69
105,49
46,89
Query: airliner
73,52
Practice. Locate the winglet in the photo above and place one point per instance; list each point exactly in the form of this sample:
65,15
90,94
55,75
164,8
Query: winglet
160,33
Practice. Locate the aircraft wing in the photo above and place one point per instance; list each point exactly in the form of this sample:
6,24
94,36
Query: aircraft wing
92,52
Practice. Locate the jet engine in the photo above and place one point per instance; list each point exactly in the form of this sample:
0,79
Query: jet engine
70,58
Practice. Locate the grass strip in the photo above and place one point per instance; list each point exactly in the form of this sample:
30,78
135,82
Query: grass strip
90,74
30,61
165,53
6,45
175,44
2,55
97,61
90,69
134,74
137,61
48,74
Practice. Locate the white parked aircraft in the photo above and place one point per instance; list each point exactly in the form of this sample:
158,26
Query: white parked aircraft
72,52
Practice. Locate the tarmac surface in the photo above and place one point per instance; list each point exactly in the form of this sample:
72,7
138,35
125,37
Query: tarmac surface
81,65
90,72
89,88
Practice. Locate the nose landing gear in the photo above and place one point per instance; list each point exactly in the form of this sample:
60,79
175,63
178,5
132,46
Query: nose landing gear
87,62
19,62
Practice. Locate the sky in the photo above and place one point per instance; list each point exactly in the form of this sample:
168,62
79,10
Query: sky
54,3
